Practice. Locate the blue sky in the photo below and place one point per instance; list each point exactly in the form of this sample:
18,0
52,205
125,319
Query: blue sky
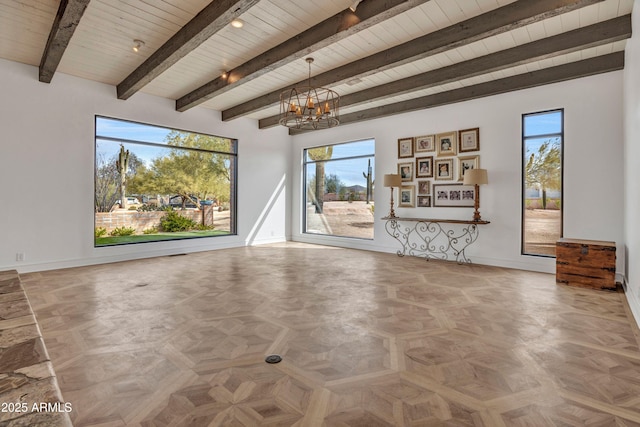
349,171
541,124
544,123
128,130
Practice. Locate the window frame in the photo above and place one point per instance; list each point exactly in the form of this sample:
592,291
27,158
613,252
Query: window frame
305,199
524,138
233,155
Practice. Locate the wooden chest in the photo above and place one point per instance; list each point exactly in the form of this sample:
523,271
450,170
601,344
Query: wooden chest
586,263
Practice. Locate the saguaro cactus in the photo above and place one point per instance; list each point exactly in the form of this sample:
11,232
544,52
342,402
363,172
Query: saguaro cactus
367,176
122,164
319,155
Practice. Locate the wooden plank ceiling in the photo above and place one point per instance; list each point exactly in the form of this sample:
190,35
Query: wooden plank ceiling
387,57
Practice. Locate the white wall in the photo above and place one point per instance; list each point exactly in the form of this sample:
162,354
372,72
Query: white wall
593,196
47,154
631,166
46,170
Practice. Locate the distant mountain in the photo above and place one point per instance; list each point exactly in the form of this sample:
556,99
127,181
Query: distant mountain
356,188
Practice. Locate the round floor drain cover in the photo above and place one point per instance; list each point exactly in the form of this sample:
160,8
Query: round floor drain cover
273,358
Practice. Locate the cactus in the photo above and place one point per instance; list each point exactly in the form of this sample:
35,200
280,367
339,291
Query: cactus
122,165
370,182
318,155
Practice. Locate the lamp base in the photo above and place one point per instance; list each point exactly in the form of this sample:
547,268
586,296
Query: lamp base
392,213
476,204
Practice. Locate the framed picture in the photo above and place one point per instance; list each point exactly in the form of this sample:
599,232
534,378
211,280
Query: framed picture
443,169
407,196
424,187
424,167
446,144
425,143
453,195
405,170
466,163
405,147
469,140
424,201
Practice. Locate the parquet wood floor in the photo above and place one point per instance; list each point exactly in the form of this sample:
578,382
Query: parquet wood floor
367,339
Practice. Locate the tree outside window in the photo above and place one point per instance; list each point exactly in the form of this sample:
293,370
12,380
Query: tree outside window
154,183
542,182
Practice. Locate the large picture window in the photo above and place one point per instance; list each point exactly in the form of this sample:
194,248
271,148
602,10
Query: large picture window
542,148
338,183
154,183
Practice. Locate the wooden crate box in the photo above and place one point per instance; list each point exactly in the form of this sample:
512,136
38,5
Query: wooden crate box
586,263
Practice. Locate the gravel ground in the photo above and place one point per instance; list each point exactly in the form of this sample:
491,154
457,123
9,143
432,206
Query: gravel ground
353,219
542,231
356,220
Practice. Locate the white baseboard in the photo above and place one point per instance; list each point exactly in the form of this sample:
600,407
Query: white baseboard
111,254
538,264
632,299
257,242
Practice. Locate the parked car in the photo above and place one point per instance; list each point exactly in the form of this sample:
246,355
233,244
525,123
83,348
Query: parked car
207,202
131,201
176,202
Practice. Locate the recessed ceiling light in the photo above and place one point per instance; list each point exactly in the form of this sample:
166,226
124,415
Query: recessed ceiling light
137,44
237,23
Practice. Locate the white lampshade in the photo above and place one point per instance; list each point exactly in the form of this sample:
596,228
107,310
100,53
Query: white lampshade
392,180
475,177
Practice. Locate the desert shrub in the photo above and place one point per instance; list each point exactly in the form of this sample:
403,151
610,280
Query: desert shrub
204,227
149,207
100,232
122,231
172,221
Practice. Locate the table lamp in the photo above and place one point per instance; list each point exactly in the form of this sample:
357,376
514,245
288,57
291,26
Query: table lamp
476,177
392,180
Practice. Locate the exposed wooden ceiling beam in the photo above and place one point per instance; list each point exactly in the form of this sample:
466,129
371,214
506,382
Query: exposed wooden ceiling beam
594,35
65,23
206,23
506,18
329,31
573,70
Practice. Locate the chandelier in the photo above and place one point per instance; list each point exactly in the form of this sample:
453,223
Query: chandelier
308,107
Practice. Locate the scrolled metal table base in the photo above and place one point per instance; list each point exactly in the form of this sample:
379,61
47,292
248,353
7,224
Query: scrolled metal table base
428,238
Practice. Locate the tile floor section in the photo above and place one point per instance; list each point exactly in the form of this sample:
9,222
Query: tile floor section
367,339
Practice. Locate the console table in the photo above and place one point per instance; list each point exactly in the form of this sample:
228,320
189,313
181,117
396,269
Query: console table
433,238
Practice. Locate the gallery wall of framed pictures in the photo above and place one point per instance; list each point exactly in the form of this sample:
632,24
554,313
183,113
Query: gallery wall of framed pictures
442,157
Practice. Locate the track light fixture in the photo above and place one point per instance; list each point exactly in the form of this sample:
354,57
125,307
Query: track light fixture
137,44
